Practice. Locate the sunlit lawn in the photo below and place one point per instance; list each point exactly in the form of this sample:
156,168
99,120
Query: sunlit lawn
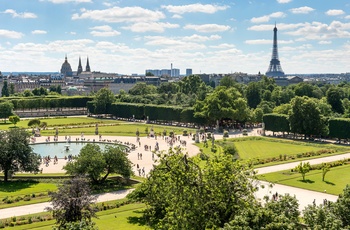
262,148
335,181
123,129
125,217
14,189
61,121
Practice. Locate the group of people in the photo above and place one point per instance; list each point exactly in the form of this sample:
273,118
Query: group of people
47,159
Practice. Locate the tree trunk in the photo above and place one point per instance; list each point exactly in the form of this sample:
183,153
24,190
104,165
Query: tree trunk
6,173
104,178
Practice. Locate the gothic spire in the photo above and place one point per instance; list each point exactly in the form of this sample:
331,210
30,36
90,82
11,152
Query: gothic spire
87,65
80,68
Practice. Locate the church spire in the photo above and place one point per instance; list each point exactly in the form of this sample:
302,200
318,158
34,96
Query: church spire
87,65
80,68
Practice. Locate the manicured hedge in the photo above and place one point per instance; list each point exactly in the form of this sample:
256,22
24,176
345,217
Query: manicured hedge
339,128
276,122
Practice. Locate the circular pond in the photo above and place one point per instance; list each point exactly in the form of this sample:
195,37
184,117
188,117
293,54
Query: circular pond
62,149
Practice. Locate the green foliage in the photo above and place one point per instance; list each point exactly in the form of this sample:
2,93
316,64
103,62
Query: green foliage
321,217
334,96
78,225
325,169
276,122
339,128
5,90
16,154
6,109
14,119
142,89
303,168
282,213
180,195
103,101
72,203
34,122
98,164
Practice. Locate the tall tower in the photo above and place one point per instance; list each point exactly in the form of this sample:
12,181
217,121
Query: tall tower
87,66
275,69
80,68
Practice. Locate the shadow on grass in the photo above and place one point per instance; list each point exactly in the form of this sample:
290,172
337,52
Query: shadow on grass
13,186
328,182
137,220
307,181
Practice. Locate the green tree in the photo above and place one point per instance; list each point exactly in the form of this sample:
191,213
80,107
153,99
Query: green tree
98,164
33,122
275,214
321,217
180,195
14,119
342,207
5,90
27,93
6,110
325,169
222,103
253,94
16,153
103,100
72,204
12,89
303,168
334,96
306,118
142,88
228,81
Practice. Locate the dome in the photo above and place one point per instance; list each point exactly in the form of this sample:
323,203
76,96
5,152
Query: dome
66,69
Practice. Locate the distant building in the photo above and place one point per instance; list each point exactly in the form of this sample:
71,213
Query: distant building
163,72
66,69
188,72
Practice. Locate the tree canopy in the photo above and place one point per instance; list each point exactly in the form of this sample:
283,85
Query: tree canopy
180,195
16,154
103,100
97,164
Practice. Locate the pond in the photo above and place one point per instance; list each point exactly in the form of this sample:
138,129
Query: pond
62,149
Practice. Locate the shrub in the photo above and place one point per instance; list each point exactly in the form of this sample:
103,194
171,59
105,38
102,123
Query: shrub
184,133
226,134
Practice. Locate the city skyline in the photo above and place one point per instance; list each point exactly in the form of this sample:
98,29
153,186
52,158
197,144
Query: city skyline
128,37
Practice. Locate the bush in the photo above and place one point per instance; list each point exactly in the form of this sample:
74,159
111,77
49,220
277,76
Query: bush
226,134
184,133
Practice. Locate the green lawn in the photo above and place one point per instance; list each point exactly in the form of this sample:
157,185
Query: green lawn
335,181
61,121
18,189
125,217
124,129
253,148
266,149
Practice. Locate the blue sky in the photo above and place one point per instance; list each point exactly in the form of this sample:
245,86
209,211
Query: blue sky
129,36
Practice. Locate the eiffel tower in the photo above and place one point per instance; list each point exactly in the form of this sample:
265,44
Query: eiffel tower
275,69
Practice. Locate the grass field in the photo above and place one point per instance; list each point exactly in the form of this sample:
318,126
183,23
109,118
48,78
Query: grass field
335,181
18,189
126,217
61,121
123,129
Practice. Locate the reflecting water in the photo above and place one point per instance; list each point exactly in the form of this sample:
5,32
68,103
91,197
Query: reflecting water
61,149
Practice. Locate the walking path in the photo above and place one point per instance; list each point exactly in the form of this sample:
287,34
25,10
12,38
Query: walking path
305,197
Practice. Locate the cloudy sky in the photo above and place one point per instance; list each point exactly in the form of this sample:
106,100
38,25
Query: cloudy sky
129,36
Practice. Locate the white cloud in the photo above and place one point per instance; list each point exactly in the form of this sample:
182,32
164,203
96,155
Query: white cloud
267,18
67,1
200,38
266,41
207,28
194,8
103,31
325,42
20,15
302,10
39,32
176,43
158,27
10,34
284,1
347,17
178,16
118,14
103,28
223,46
335,12
322,31
281,26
